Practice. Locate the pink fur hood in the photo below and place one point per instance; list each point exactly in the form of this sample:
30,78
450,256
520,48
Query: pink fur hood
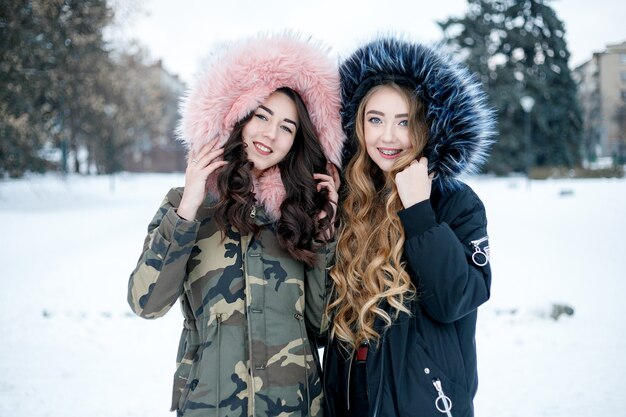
246,74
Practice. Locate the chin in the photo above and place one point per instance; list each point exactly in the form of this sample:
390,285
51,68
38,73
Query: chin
384,166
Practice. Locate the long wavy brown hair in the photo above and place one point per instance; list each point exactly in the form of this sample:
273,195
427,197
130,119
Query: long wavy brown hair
369,272
298,225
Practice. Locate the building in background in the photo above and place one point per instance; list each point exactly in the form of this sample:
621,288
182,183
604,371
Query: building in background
156,149
602,95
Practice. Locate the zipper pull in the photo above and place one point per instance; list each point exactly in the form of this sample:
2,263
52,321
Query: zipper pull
480,257
253,212
443,403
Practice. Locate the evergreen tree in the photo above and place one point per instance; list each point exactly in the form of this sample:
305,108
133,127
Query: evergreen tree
49,50
26,57
62,87
518,48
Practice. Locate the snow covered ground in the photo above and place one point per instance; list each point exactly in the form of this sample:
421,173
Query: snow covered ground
70,346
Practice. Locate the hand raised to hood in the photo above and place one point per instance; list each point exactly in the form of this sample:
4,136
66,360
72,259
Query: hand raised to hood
414,183
200,165
331,182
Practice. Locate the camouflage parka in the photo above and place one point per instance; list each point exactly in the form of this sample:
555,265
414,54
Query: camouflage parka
244,349
248,305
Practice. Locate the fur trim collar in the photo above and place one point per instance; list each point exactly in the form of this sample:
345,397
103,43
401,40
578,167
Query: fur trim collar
242,77
462,126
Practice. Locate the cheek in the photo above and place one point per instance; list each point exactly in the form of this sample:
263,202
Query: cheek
406,141
372,152
288,143
246,132
284,147
250,128
368,136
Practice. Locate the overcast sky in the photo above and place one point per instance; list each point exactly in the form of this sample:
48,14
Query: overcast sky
182,32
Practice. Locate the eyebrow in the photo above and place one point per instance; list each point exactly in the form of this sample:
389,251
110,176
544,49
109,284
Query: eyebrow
271,112
379,113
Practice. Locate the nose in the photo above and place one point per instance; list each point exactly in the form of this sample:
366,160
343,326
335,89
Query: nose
270,131
388,134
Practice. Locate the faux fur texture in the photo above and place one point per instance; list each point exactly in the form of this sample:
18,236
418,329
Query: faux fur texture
246,74
462,126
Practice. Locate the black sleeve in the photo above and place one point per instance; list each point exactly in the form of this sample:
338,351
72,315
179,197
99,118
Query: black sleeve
439,250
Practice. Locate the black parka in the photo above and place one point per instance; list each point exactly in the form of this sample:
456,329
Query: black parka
424,364
432,353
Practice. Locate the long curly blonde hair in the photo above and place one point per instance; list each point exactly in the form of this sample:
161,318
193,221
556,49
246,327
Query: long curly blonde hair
369,270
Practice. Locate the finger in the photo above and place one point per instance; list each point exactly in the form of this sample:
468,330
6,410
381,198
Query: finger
214,166
332,192
322,215
323,177
331,168
219,161
192,163
210,157
206,149
324,184
334,172
423,161
328,183
192,154
191,157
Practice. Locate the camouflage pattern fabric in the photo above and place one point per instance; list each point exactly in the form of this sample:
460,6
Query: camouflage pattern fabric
244,349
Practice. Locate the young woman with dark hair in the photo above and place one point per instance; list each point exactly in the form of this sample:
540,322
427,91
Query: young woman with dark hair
297,226
246,243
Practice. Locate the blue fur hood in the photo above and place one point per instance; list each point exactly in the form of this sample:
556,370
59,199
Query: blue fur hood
462,125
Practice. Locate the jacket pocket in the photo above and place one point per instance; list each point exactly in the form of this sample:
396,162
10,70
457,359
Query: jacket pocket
441,385
206,352
440,393
187,350
310,367
443,348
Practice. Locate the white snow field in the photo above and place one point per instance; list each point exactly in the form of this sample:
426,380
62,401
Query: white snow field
71,347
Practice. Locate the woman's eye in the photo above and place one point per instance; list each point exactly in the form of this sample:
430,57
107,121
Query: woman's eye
260,116
287,129
375,120
403,123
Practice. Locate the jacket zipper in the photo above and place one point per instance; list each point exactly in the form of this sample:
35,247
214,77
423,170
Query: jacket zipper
325,362
299,317
244,251
348,384
380,382
443,403
382,373
480,257
252,394
218,319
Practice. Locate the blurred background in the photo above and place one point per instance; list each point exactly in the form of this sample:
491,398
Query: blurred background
89,94
92,86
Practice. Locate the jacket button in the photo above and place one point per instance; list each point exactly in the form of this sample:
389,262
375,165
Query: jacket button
193,384
426,371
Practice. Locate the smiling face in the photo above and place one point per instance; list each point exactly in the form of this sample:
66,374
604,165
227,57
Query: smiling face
386,127
270,133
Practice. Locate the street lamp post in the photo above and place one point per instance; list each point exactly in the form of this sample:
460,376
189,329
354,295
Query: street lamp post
527,103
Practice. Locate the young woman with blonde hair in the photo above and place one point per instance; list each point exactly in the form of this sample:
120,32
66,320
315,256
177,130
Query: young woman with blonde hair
412,256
